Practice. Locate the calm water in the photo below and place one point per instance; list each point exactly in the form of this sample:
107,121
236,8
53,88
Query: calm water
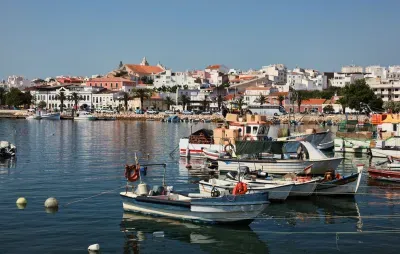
76,160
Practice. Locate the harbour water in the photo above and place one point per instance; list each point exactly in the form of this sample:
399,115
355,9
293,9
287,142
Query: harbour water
81,164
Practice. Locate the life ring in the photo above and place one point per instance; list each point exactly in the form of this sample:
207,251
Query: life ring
132,172
240,189
338,176
231,148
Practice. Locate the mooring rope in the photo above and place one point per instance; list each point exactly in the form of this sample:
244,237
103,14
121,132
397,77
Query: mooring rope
101,193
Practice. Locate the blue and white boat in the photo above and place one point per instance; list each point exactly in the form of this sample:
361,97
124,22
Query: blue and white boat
51,116
173,119
161,201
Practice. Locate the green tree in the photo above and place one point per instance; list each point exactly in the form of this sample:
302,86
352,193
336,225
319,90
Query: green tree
262,99
389,106
2,95
185,100
61,97
359,92
343,102
142,94
42,104
126,98
169,101
75,98
328,109
239,102
281,98
15,97
205,103
300,96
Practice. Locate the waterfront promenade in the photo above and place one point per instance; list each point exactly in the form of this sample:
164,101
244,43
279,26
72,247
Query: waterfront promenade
304,118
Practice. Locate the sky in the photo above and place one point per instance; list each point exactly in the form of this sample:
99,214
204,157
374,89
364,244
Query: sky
43,38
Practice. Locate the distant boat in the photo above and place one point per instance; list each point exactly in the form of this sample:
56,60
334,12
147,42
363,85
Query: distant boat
173,119
34,117
83,115
7,149
51,116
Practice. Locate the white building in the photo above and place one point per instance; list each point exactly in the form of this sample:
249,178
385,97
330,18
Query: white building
276,73
376,71
18,82
90,97
394,72
352,69
168,78
388,90
251,94
305,81
343,79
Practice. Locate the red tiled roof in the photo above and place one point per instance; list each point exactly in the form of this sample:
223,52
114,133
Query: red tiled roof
213,67
313,102
144,69
118,79
69,80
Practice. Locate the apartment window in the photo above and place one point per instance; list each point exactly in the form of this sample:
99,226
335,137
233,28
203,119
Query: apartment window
382,90
111,85
396,89
396,96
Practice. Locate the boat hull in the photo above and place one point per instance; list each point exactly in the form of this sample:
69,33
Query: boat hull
303,189
211,155
349,145
385,175
326,145
227,209
377,152
344,186
281,166
51,116
275,193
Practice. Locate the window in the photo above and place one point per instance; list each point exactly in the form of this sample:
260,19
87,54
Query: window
111,85
382,90
396,89
248,129
101,84
255,129
396,96
116,85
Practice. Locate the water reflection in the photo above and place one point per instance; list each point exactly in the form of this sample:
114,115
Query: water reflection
6,164
328,210
213,239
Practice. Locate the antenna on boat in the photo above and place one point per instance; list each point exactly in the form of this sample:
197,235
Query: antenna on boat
165,171
137,164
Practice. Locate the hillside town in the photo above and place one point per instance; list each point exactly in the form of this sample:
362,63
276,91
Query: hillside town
142,87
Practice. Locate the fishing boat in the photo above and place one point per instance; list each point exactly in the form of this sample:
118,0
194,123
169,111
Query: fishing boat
354,136
276,191
322,140
303,186
83,115
339,185
51,116
212,154
173,119
7,149
35,116
161,201
223,138
278,160
390,172
385,148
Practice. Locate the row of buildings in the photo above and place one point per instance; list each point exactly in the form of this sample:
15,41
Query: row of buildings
203,87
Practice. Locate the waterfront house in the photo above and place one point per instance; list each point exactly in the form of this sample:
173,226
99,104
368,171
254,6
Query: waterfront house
111,83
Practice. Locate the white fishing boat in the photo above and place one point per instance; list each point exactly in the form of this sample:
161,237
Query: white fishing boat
7,149
83,115
307,155
51,116
36,116
212,154
161,201
222,139
276,191
340,185
388,147
322,140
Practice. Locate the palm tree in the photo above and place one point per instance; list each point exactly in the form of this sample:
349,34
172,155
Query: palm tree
61,97
300,97
142,94
169,101
74,97
240,103
281,98
262,99
185,100
126,98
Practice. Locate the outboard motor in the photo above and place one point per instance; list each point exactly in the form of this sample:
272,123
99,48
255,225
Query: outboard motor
231,175
262,174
